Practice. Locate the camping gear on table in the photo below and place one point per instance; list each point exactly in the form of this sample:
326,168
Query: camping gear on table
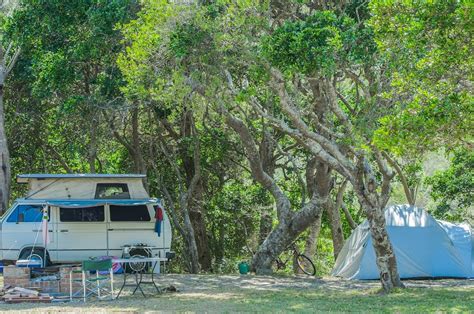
139,250
97,284
423,246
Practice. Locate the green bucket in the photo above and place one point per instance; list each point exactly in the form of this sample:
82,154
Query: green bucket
243,268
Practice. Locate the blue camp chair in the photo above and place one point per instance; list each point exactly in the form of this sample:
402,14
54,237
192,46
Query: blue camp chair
101,286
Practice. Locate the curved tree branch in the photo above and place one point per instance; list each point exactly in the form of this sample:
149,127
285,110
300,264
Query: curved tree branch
282,202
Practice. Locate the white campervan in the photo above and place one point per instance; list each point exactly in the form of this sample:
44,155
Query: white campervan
89,215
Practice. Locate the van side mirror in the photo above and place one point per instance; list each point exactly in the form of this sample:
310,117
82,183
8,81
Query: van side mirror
21,217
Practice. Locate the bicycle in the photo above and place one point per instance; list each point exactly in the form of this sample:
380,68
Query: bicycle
303,262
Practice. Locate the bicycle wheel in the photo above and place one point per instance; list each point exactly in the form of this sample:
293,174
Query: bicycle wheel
306,265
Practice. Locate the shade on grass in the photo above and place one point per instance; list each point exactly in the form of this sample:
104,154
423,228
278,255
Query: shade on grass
449,299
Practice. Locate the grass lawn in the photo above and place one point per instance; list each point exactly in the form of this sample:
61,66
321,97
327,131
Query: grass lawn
297,296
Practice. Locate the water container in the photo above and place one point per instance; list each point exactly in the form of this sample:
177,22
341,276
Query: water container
243,268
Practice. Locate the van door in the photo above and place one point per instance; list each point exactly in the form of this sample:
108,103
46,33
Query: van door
81,233
130,225
22,228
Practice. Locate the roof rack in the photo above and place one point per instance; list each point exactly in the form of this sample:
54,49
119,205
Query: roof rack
24,178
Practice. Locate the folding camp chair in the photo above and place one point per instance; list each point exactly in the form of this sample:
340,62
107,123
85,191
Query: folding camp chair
97,284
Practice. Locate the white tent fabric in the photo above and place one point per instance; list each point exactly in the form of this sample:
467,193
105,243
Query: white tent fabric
424,247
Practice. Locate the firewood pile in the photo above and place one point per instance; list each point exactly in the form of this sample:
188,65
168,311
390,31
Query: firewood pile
11,294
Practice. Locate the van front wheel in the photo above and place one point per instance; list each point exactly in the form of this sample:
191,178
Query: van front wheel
35,253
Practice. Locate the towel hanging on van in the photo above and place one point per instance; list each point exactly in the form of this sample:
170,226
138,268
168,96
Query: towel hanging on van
159,219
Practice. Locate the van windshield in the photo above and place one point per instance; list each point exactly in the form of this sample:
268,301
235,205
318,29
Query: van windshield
26,213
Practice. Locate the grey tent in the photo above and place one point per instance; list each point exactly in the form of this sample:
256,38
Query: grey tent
424,247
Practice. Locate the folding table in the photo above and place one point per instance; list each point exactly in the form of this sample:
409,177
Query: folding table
155,261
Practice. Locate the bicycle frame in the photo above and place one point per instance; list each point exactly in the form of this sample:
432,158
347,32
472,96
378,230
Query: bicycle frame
280,263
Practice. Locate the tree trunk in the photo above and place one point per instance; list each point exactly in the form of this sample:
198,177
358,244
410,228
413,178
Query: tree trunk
275,243
286,231
315,228
336,227
220,244
312,239
185,229
373,205
324,185
5,175
267,154
385,257
200,228
196,205
192,249
265,226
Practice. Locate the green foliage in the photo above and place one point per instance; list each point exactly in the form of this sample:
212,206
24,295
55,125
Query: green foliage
429,48
142,36
186,39
66,71
426,41
71,54
453,188
318,43
427,123
324,259
233,216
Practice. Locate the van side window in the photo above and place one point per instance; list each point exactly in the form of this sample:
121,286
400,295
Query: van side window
26,213
112,191
82,214
129,213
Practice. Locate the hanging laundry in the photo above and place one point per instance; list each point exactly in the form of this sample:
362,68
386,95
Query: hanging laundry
159,219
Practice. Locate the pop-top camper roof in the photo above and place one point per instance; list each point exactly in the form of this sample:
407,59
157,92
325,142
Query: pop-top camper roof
84,186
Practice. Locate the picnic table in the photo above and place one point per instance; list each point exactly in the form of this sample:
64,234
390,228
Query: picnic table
138,266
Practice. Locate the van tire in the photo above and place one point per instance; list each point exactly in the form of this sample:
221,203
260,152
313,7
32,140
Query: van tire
27,252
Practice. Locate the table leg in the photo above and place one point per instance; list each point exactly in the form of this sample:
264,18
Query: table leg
139,282
124,280
153,276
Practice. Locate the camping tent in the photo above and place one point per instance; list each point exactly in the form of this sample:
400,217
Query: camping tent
424,247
